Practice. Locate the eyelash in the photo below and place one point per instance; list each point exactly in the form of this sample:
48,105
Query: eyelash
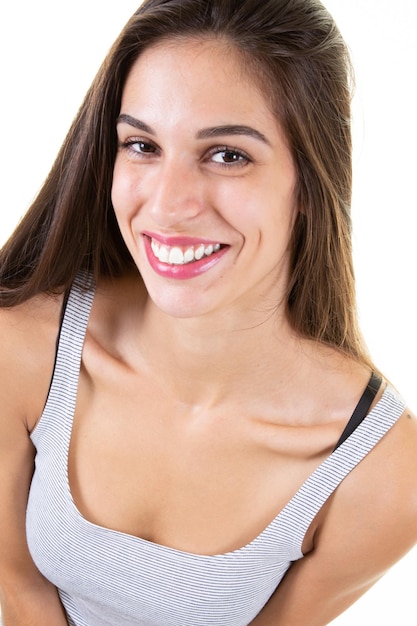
129,143
243,158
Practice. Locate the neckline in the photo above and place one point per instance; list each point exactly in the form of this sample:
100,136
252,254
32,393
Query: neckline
388,400
65,381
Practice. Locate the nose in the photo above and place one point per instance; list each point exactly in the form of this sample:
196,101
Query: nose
177,194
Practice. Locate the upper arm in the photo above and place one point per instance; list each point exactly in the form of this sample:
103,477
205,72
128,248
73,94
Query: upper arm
369,523
27,337
16,468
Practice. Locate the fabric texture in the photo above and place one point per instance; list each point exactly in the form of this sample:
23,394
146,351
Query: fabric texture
108,578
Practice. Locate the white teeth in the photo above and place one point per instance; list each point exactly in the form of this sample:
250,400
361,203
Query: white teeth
189,255
199,253
155,247
176,256
163,254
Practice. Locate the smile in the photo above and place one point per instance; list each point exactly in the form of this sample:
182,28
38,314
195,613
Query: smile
177,255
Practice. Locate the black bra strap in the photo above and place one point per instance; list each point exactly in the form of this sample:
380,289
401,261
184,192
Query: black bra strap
362,408
61,321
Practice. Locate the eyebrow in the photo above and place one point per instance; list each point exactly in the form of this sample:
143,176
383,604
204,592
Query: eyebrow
232,129
205,133
132,121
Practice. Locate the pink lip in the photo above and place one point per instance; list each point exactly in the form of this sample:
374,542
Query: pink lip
178,241
181,272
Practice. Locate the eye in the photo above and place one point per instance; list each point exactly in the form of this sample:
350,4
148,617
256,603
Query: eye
139,147
229,157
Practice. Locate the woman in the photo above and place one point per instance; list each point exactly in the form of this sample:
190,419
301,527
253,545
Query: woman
181,357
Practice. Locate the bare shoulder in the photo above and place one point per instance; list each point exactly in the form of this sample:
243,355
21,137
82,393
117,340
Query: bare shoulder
28,334
375,508
392,470
391,467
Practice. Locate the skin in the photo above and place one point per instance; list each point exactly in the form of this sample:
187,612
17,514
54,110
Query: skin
174,183
213,376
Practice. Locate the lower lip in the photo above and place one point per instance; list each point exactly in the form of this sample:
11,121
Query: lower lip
182,272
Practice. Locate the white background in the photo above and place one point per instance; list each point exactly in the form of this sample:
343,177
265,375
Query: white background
49,53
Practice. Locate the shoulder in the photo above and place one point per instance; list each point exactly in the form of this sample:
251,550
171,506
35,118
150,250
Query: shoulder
28,334
390,469
368,524
389,473
374,510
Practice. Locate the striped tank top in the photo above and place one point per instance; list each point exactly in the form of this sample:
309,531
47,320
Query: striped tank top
109,578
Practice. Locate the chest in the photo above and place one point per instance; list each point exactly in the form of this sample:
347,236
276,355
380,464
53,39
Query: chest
205,482
115,567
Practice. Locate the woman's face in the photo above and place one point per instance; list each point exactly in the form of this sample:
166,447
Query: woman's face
203,186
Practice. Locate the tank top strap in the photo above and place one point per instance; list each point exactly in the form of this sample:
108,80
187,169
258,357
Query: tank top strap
300,512
64,383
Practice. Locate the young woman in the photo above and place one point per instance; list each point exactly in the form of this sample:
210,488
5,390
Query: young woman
192,432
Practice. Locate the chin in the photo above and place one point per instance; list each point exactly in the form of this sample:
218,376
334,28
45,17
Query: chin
180,305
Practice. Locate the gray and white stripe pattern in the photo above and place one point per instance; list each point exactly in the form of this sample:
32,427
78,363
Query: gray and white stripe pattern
108,578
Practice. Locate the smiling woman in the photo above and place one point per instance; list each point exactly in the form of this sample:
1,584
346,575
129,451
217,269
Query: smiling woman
176,160
210,435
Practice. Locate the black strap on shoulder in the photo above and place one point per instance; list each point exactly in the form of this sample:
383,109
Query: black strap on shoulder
362,408
61,321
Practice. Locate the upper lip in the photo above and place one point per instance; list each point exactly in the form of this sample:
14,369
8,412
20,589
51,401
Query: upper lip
179,240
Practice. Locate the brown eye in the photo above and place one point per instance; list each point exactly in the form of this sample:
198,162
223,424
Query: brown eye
145,147
230,157
142,147
138,148
226,156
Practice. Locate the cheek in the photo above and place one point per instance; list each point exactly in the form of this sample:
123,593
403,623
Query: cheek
237,203
262,207
123,201
123,192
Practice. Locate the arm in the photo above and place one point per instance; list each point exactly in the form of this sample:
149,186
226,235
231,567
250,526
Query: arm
368,525
26,596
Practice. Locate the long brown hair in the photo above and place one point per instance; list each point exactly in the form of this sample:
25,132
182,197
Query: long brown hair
302,62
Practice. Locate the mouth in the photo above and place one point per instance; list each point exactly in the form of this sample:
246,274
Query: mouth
183,255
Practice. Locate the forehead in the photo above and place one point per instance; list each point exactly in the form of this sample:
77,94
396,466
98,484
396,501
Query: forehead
196,52
205,74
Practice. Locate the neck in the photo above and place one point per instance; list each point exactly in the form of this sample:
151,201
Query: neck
203,361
